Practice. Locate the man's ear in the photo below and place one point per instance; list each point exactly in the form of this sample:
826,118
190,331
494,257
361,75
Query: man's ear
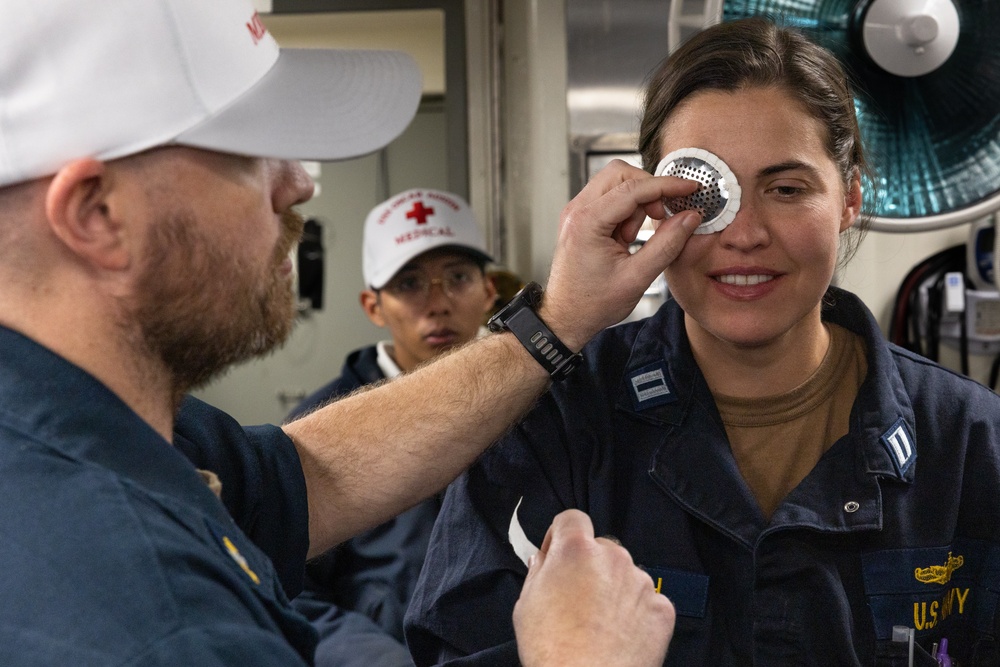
79,214
372,307
491,294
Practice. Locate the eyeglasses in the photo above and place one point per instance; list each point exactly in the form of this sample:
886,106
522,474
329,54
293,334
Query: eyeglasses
415,288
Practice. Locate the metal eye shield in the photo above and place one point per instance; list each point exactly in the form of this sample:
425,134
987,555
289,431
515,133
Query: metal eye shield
718,198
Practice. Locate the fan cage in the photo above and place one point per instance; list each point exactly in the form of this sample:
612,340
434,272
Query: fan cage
934,140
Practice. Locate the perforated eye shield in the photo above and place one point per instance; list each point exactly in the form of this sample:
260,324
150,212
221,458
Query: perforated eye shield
718,197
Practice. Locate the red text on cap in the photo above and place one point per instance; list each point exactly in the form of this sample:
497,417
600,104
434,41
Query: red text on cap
421,233
256,27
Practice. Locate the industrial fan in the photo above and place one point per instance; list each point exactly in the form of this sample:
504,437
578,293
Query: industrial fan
927,76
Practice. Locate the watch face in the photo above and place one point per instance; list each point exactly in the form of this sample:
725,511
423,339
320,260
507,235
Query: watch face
495,323
529,297
498,322
532,294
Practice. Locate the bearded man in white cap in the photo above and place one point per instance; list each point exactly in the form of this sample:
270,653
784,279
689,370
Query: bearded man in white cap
147,186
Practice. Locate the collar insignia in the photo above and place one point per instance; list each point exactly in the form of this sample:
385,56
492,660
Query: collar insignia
651,386
235,554
899,443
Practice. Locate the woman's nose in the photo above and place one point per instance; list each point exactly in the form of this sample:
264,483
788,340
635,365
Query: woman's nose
748,229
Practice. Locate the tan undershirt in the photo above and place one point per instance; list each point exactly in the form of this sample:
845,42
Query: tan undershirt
776,440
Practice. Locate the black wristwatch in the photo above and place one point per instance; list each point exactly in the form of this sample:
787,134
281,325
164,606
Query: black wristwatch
519,317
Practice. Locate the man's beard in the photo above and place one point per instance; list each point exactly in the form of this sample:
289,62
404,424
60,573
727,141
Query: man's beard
202,308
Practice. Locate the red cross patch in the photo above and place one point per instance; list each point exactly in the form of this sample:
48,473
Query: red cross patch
420,213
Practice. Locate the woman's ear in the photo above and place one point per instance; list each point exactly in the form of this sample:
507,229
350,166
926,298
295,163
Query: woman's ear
77,206
852,202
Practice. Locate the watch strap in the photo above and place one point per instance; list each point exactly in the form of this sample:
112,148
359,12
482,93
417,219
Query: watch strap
520,318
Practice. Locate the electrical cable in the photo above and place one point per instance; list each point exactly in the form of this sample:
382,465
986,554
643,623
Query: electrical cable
963,343
907,313
933,333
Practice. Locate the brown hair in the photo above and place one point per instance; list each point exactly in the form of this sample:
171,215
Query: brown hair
752,53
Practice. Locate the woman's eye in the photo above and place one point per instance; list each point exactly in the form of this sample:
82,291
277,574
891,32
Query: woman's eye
787,190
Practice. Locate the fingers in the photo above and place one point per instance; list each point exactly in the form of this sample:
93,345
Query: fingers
568,525
614,173
666,243
594,280
626,194
620,173
585,602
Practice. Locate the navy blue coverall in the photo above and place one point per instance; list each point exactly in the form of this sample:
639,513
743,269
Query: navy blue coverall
897,524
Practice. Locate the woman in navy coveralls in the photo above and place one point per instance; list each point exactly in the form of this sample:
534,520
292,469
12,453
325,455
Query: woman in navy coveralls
795,484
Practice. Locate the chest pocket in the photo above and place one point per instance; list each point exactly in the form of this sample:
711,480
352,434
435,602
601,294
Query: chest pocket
688,591
941,592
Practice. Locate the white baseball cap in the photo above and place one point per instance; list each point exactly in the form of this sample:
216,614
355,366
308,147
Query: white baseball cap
410,224
112,78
